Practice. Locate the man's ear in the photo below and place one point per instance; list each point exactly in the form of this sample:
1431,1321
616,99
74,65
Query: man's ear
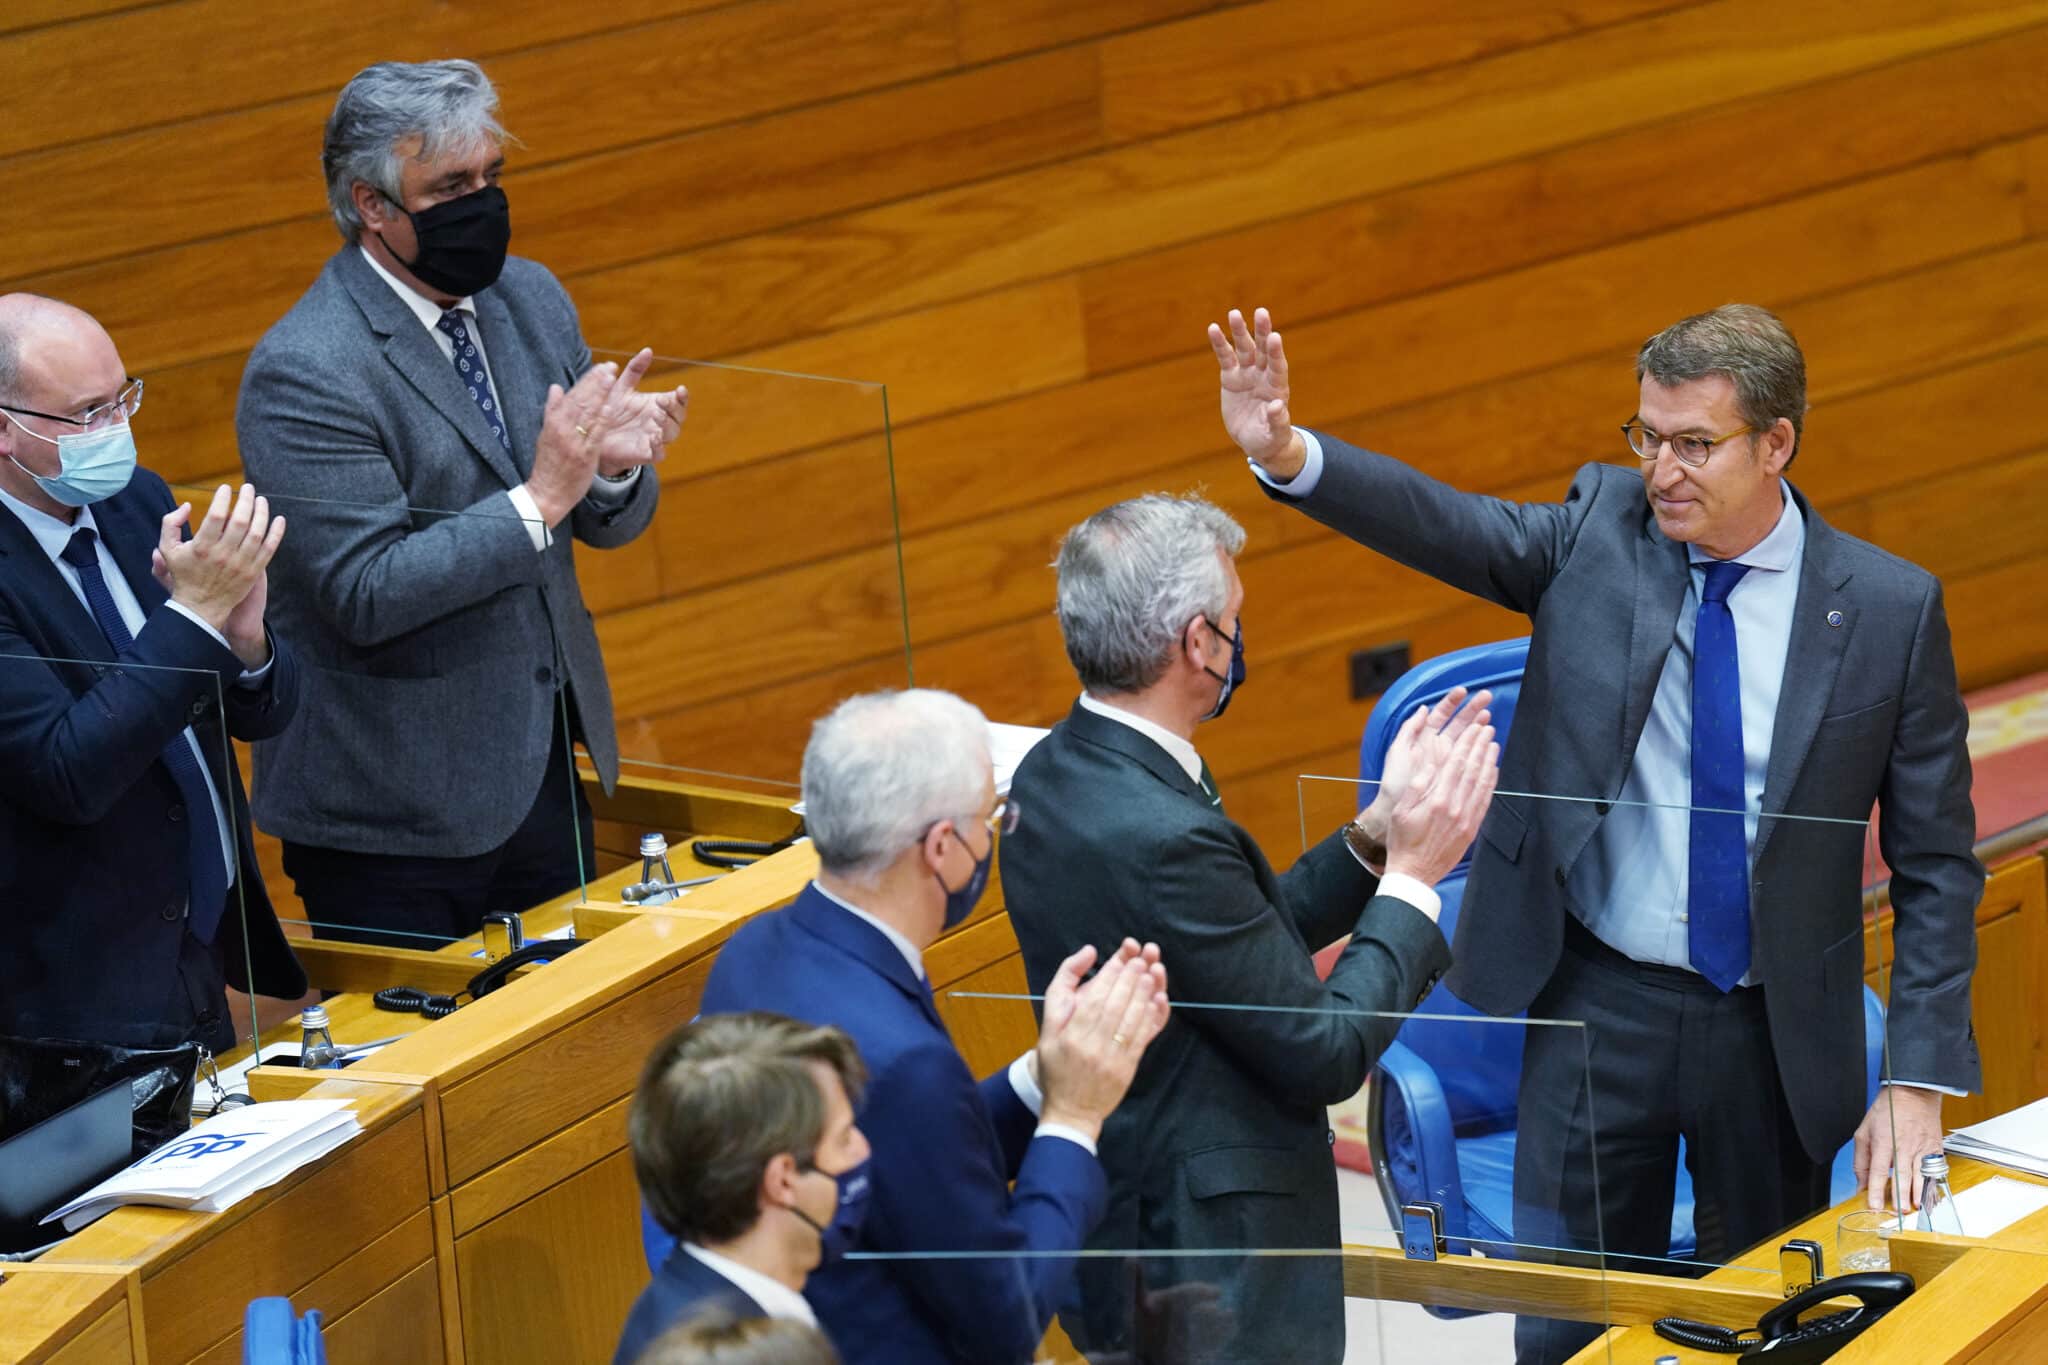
1779,444
778,1181
371,206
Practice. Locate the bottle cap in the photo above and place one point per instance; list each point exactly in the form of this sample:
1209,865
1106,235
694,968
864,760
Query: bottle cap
1934,1164
653,844
315,1016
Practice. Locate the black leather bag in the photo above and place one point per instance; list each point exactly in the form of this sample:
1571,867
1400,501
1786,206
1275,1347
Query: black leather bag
41,1076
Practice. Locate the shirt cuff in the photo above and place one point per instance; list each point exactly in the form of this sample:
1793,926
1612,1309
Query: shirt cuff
1928,1085
1026,1085
529,516
615,491
1306,478
1032,1098
1403,887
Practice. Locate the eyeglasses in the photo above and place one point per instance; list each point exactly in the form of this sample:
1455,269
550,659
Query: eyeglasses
1690,450
123,405
1002,819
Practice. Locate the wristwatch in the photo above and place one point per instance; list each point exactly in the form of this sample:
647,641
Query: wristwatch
1364,848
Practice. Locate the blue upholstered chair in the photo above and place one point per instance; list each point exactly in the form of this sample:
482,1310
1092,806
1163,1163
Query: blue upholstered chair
1441,1115
273,1335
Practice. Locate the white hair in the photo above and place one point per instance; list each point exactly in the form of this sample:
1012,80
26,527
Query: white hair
449,104
883,768
1132,576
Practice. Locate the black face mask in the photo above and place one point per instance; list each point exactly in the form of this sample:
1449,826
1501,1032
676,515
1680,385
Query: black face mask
462,242
1232,680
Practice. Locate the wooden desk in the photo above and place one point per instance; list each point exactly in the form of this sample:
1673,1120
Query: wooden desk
1977,1299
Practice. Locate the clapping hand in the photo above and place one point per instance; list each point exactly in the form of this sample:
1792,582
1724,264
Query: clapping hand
1095,1032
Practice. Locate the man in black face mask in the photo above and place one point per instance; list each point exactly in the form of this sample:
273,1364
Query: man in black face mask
744,1142
1223,1141
429,417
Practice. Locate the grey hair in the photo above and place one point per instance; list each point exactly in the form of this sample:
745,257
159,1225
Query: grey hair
1751,347
450,104
884,767
1132,576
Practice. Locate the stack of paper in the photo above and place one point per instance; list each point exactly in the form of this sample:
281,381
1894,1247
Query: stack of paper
2018,1139
218,1162
1007,745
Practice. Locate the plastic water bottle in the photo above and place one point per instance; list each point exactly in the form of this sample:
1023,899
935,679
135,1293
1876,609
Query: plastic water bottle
316,1044
1937,1205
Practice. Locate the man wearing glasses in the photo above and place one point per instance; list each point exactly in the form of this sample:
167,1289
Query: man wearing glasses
1719,686
129,640
976,1195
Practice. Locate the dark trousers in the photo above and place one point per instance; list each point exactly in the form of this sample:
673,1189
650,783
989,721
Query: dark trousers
425,902
1663,1054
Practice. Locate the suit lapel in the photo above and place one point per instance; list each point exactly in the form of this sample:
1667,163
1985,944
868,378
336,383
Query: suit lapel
1813,659
862,941
130,534
512,374
1661,575
417,357
73,632
1104,733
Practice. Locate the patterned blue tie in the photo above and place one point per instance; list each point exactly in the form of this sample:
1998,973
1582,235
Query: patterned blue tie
209,863
1717,895
469,368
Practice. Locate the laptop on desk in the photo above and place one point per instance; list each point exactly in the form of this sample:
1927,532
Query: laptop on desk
64,1155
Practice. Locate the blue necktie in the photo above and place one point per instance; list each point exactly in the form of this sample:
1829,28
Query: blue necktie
209,889
1717,894
469,368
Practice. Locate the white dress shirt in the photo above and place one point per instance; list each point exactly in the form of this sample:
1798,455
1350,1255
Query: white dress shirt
1396,884
602,490
1023,1077
777,1299
54,535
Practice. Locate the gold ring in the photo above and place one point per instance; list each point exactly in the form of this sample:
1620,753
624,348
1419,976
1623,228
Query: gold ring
581,432
1119,1039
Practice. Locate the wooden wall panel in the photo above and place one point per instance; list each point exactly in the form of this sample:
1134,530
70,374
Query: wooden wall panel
1019,214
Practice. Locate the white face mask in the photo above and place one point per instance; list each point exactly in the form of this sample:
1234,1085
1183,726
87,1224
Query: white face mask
93,465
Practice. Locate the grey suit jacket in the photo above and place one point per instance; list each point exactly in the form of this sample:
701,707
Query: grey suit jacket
1869,712
1224,1140
434,637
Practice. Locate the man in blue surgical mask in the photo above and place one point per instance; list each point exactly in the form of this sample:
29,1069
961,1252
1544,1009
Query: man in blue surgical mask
977,1194
124,830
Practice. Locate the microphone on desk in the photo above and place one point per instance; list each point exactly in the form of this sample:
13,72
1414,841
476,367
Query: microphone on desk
655,893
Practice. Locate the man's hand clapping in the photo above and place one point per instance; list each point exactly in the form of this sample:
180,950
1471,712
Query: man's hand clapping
219,574
1095,1032
602,425
1435,819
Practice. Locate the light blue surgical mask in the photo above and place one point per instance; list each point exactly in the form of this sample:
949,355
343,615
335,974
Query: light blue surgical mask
93,465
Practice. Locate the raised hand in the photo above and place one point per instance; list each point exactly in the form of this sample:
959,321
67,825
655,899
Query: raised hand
1095,1033
216,573
1253,369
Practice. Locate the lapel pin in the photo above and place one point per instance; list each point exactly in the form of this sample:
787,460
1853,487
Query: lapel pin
1834,618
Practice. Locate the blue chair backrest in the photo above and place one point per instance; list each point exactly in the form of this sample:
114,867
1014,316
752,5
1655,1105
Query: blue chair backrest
1478,1059
271,1335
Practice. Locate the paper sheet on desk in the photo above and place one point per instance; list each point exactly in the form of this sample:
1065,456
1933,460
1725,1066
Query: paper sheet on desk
1997,1203
2018,1139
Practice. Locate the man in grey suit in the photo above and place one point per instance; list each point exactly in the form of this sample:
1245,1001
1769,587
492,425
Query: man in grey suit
1223,1142
1703,640
429,415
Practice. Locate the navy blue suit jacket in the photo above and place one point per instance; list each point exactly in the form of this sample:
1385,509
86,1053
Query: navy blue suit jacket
94,860
945,1152
683,1286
